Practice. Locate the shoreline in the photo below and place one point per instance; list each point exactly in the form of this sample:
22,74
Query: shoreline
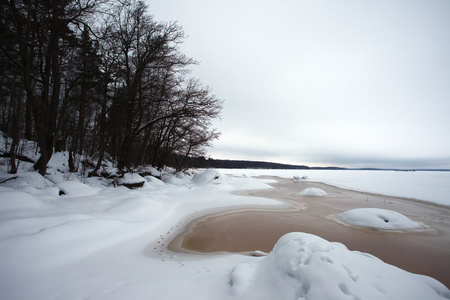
243,230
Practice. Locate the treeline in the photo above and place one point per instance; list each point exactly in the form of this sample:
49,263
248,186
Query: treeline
99,78
202,162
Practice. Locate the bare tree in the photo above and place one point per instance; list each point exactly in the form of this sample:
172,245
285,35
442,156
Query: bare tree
38,29
119,87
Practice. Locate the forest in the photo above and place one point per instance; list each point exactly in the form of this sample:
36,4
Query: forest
205,163
102,80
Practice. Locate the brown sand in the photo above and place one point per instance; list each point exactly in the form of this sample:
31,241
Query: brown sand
423,252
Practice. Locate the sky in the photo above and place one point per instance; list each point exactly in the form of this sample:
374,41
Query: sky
323,83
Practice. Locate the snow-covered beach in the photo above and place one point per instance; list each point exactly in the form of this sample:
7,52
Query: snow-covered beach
96,241
369,223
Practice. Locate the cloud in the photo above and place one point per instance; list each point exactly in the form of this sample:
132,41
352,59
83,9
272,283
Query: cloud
343,83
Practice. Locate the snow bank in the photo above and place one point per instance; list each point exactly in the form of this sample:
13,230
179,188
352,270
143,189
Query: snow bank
313,192
377,218
153,181
75,189
305,266
97,246
11,200
208,176
177,179
26,181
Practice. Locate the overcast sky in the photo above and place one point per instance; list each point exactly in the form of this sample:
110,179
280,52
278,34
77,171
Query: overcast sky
346,83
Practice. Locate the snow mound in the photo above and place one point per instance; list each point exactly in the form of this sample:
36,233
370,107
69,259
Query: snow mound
176,179
75,189
17,200
149,170
377,218
130,178
313,192
26,181
305,266
153,181
208,176
59,161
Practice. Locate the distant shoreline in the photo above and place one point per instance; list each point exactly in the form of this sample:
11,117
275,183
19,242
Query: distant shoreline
211,163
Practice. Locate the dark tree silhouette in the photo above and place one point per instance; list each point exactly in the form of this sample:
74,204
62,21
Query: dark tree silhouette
100,84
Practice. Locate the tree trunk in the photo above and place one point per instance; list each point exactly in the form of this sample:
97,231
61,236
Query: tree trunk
17,130
28,120
47,119
101,140
71,163
13,169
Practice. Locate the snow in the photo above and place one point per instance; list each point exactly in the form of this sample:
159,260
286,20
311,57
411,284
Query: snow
153,181
313,192
377,218
76,189
305,266
207,176
98,241
16,200
29,181
130,178
91,242
430,186
178,179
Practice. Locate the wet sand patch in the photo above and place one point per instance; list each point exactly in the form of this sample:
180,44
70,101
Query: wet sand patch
424,252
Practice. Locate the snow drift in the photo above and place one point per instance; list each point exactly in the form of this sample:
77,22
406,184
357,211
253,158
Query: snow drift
377,218
313,192
305,266
74,188
208,176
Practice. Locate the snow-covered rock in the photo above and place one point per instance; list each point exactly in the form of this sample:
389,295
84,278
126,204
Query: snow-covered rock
176,179
305,266
149,170
208,176
313,192
131,180
377,218
75,189
153,181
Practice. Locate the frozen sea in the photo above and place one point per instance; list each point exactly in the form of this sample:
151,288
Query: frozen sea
430,186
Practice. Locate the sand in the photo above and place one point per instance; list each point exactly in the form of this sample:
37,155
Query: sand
424,251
